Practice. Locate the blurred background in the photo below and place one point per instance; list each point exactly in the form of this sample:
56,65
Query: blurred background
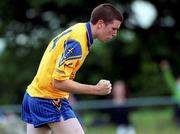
144,55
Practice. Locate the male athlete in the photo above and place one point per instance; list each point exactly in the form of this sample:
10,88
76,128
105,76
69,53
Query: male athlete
45,106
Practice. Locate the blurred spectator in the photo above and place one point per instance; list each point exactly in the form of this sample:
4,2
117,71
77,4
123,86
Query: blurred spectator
120,114
174,86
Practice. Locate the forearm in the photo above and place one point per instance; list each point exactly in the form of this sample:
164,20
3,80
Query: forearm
74,87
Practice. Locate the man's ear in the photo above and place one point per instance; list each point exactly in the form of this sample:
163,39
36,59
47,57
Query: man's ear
100,24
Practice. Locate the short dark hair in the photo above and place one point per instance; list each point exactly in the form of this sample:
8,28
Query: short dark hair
107,12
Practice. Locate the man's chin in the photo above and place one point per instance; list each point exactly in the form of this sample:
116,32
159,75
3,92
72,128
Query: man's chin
106,40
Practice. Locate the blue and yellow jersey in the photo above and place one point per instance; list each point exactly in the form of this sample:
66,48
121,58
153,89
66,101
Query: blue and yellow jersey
63,57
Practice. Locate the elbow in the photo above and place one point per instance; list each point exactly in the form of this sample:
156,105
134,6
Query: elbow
58,84
55,83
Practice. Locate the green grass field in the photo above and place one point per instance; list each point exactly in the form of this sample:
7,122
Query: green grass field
145,121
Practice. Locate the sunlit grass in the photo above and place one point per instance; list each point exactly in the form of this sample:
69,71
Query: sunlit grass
156,121
145,121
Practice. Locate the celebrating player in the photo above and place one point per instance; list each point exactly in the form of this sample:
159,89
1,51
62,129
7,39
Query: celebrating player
45,106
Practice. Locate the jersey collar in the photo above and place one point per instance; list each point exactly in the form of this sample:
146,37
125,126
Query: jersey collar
89,34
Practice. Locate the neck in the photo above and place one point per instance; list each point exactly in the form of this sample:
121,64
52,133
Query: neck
93,30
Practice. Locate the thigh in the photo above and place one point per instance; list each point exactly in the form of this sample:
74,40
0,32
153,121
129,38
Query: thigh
69,126
41,130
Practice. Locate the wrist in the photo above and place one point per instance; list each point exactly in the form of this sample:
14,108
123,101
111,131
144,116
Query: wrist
93,89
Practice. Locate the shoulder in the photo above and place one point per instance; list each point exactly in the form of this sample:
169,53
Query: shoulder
79,29
72,48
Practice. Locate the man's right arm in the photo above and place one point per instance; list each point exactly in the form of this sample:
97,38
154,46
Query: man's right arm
103,87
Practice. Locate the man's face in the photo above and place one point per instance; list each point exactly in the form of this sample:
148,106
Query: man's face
108,31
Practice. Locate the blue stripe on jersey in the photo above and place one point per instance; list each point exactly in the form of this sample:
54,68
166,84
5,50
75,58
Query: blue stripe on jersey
89,33
57,38
72,51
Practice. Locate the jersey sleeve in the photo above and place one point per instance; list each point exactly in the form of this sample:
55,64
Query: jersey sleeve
66,63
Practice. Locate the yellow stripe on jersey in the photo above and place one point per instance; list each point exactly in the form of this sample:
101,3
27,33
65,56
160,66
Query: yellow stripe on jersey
63,57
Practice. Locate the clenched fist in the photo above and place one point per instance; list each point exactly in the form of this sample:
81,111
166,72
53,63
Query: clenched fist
103,87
